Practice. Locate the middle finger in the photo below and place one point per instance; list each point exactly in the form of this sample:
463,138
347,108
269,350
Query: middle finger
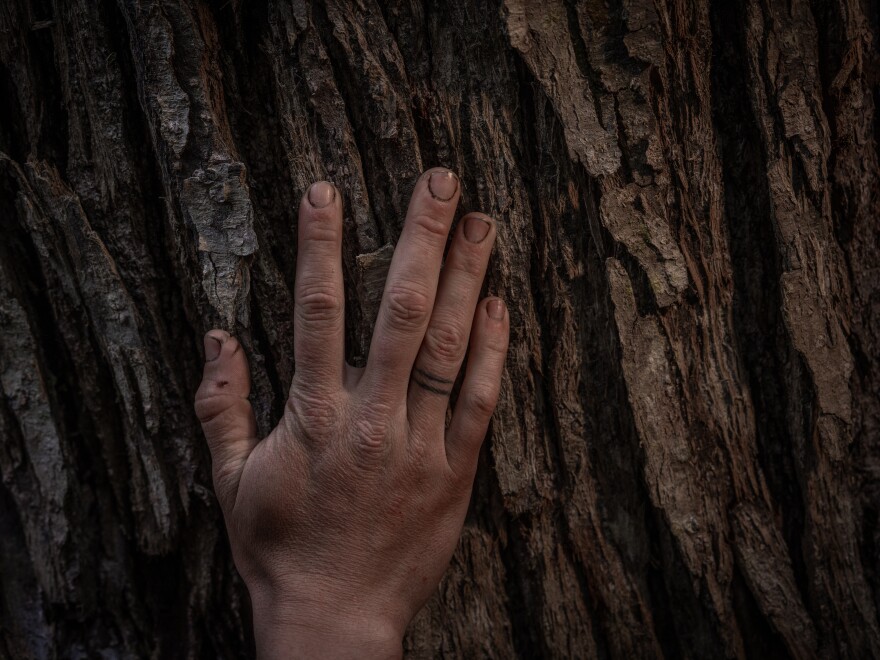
412,283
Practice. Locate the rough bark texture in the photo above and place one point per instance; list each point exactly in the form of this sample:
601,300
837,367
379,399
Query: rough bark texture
685,461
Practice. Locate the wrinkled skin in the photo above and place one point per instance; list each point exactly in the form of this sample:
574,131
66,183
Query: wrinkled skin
344,518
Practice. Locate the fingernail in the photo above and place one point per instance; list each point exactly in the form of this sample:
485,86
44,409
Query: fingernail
495,308
212,348
321,194
476,228
442,185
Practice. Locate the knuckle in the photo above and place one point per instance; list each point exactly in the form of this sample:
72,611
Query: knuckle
321,227
316,416
408,308
209,405
371,433
471,262
445,341
497,343
219,414
483,400
319,302
431,224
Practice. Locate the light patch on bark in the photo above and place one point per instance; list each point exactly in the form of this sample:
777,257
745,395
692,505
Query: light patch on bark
217,202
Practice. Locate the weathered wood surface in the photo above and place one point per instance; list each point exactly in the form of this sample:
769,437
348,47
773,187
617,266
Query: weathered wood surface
685,461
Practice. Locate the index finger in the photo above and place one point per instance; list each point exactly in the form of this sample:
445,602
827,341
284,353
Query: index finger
319,298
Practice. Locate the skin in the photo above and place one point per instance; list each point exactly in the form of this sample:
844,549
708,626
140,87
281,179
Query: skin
343,519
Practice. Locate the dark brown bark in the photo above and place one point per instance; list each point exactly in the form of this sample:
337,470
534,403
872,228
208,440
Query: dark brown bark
686,457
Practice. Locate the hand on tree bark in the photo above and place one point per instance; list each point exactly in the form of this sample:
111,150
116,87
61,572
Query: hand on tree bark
344,518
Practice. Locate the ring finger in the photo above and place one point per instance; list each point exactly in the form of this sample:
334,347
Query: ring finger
445,342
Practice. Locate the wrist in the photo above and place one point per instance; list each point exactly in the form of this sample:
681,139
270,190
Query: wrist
316,623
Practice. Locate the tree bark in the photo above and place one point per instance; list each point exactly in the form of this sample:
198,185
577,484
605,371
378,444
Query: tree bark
685,460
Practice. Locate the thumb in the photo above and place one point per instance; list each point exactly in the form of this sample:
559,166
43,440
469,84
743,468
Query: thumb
225,413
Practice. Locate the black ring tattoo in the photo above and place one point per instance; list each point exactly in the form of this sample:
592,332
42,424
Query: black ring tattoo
431,376
433,389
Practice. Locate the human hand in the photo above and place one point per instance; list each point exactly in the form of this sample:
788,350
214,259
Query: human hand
344,518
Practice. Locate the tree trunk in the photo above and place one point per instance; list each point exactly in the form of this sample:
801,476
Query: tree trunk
685,460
